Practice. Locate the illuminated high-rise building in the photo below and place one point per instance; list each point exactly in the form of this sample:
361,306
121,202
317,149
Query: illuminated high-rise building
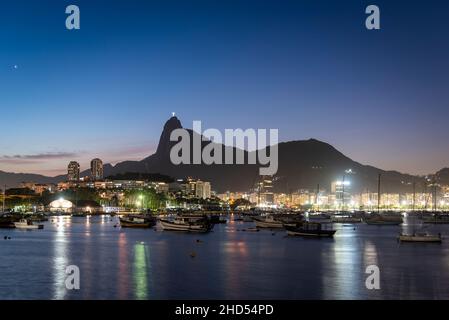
265,191
202,189
96,169
73,171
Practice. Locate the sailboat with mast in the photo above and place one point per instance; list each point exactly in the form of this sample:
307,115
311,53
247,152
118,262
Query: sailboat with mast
382,219
419,236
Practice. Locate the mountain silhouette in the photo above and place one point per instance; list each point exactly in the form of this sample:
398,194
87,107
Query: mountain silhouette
303,164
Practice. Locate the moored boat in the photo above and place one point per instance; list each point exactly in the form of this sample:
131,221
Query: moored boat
218,220
420,237
310,229
187,224
436,218
7,222
268,222
27,224
137,222
345,219
319,217
378,219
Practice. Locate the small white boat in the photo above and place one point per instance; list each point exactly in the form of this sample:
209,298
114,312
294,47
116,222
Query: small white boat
27,224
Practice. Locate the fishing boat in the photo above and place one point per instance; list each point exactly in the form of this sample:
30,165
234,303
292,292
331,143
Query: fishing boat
27,224
137,222
420,237
268,222
310,229
187,224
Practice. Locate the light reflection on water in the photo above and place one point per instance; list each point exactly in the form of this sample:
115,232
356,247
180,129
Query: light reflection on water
60,258
140,272
228,263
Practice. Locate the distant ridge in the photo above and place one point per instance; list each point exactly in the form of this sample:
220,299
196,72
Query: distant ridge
303,164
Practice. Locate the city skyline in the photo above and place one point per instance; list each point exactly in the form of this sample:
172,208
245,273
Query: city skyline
106,90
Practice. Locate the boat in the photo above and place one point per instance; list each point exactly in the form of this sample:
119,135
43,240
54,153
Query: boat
218,220
79,214
268,222
137,222
37,218
379,220
247,218
7,223
382,218
310,229
436,218
28,225
420,237
319,217
345,219
187,224
291,220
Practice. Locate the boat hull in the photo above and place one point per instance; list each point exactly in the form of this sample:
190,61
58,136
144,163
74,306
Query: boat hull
383,223
28,227
304,232
436,221
144,224
345,220
196,228
424,239
271,224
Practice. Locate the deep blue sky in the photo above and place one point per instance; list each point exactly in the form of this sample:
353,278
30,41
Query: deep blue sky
309,68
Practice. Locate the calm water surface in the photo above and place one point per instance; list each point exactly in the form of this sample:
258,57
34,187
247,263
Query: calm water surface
229,263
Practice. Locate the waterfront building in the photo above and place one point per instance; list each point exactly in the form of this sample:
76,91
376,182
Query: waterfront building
301,198
342,192
265,192
191,188
73,171
232,196
61,205
369,200
39,188
161,187
96,169
389,200
202,189
282,200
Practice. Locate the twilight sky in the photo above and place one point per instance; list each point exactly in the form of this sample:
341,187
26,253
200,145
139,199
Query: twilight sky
309,68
